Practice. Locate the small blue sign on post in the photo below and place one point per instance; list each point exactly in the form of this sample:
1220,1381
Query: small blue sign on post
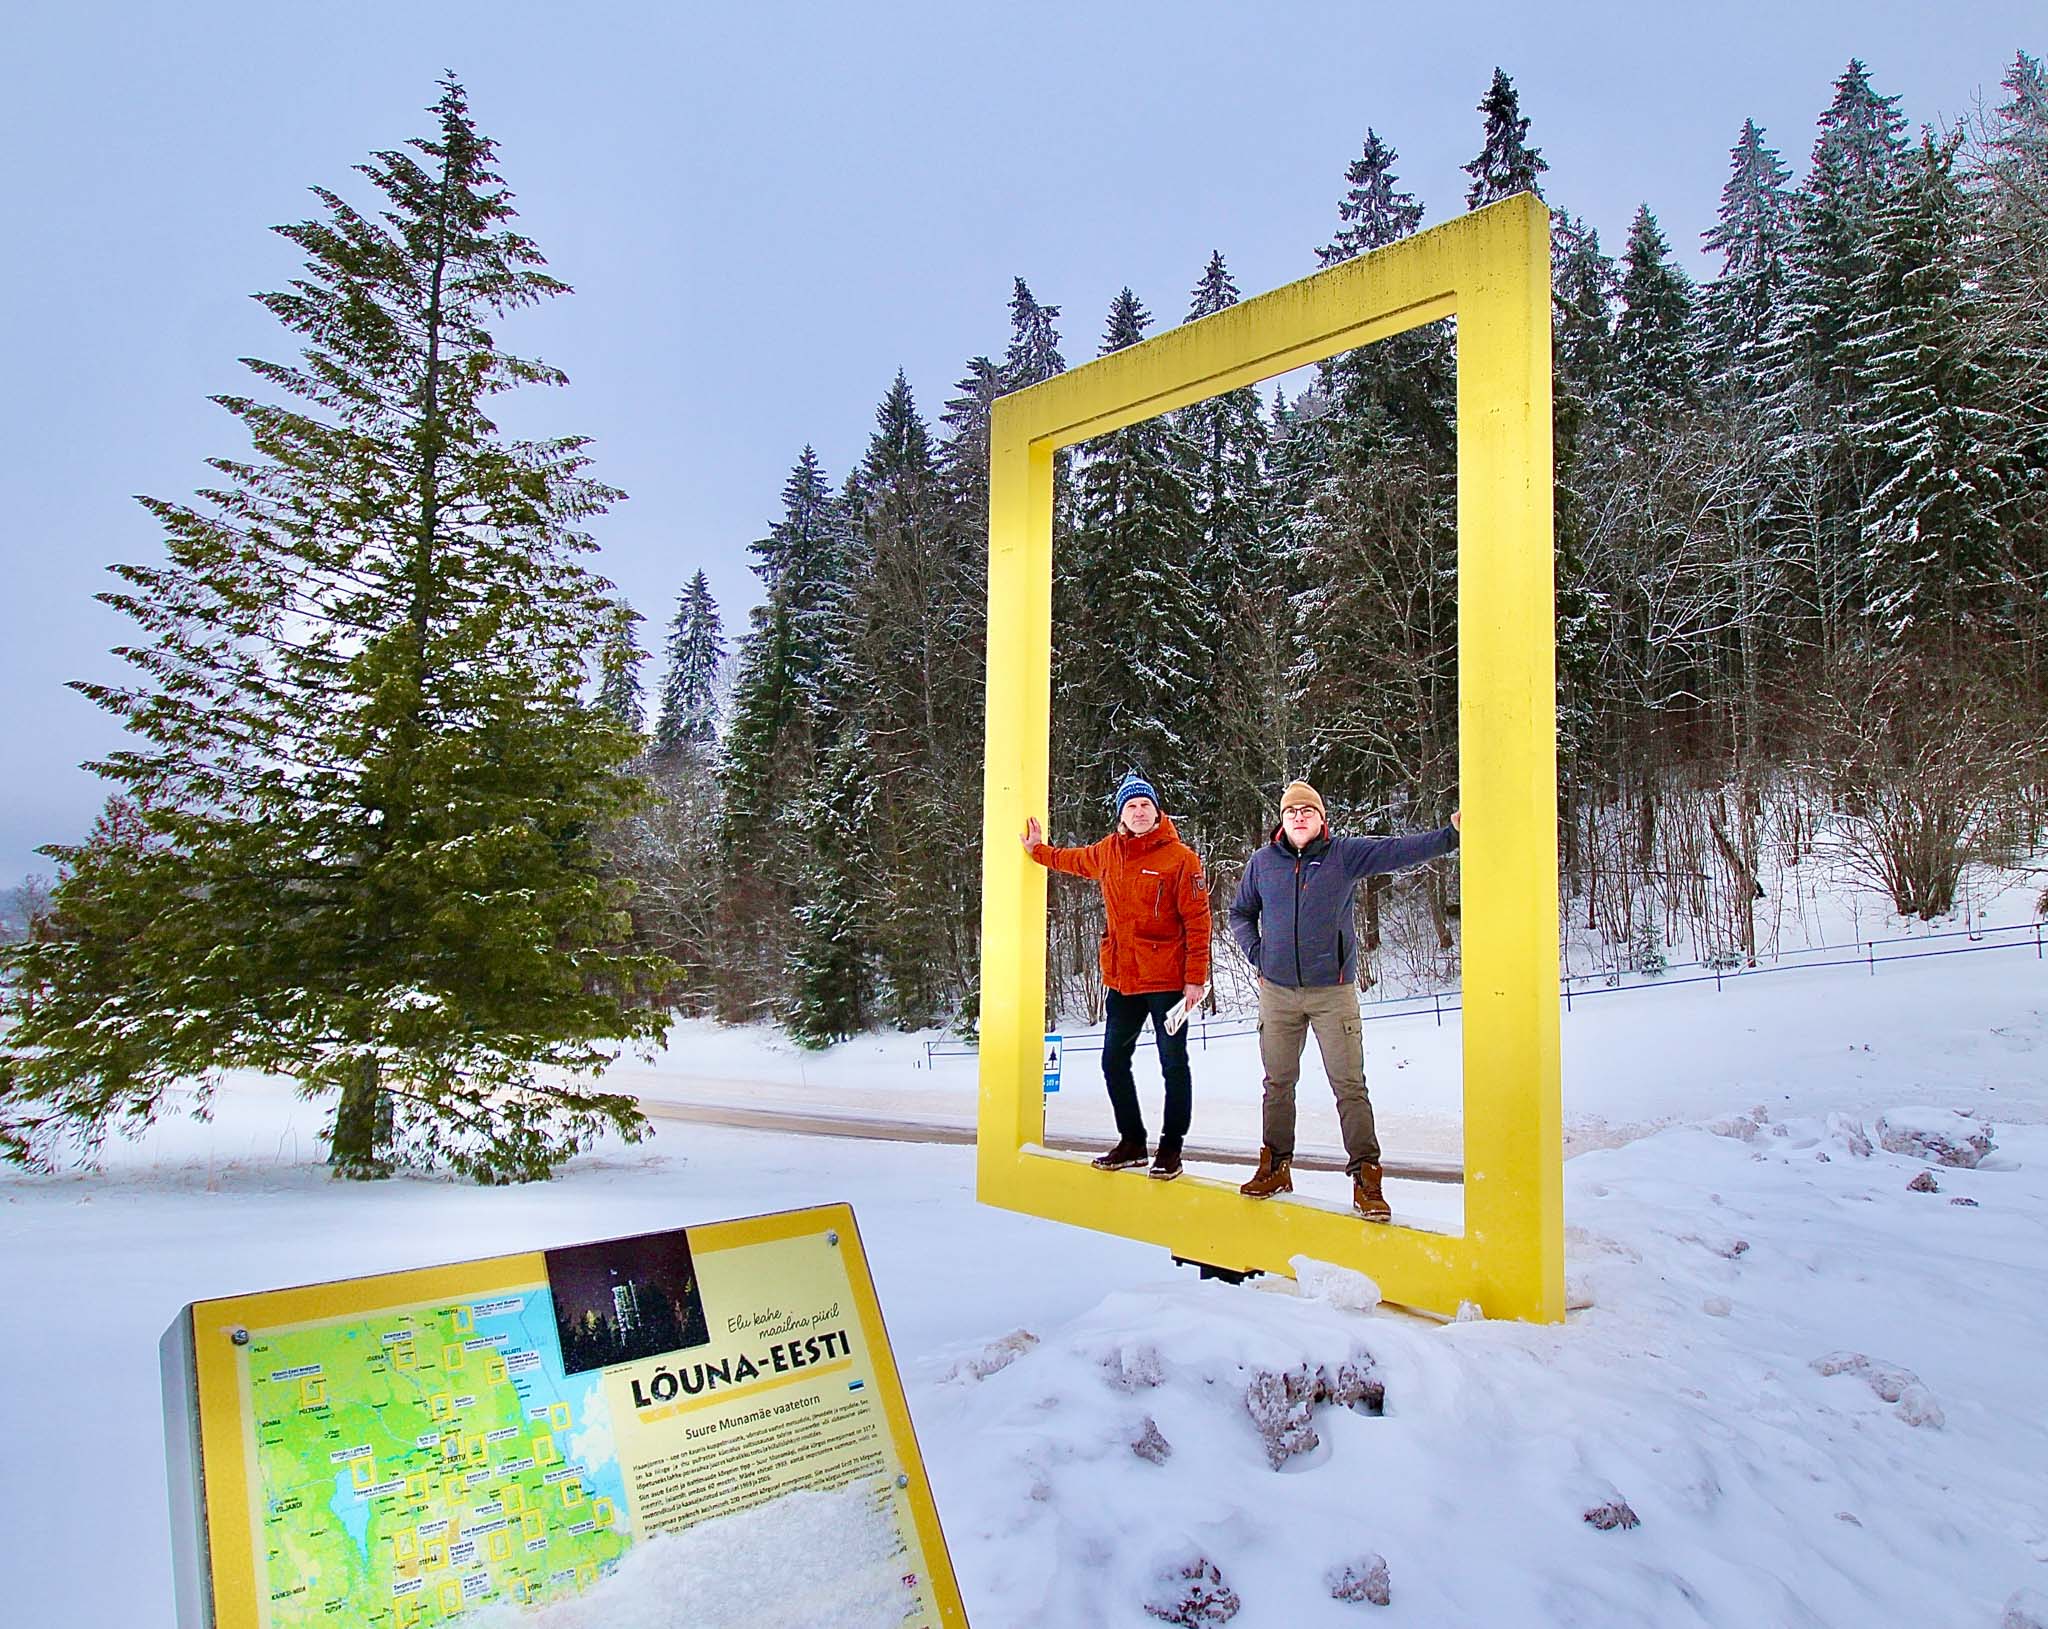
1054,1048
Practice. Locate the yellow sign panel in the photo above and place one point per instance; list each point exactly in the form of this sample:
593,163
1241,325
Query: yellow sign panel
407,1448
1491,271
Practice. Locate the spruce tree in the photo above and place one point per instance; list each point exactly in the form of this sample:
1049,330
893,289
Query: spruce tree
619,657
1653,335
1929,429
1128,319
366,776
831,969
789,658
791,681
1752,235
1374,210
2018,132
1583,425
912,651
1371,452
1034,353
1132,628
1236,576
1406,381
1858,147
964,455
1809,379
1506,164
2010,181
688,720
1583,284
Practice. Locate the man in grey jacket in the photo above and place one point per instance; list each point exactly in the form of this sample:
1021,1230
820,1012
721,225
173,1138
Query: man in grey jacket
1292,918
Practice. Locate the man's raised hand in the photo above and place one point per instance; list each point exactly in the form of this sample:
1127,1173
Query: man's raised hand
1034,833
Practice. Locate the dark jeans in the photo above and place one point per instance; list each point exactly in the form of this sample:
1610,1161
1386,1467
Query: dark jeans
1127,1015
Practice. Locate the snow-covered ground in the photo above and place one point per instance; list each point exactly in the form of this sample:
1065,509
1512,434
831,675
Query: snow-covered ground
1815,1390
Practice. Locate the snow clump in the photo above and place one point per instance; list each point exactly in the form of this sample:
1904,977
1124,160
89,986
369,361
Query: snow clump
1362,1580
2025,1609
1612,1514
1947,1138
1282,1404
1915,1403
1193,1595
994,1357
1150,1445
1851,1135
1132,1368
1342,1287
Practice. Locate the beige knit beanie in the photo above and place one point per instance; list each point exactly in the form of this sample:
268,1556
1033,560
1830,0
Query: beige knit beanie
1299,792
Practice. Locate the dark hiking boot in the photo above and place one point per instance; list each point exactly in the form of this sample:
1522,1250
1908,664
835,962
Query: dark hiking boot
1166,1163
1366,1197
1275,1175
1129,1151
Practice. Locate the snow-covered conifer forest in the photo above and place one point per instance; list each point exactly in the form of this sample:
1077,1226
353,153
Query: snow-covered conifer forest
1802,551
401,819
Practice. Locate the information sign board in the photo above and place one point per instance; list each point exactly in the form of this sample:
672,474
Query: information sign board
396,1451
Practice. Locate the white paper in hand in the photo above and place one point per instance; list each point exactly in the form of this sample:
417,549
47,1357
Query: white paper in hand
1176,1016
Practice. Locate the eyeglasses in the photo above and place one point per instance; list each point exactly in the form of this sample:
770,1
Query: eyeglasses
1296,810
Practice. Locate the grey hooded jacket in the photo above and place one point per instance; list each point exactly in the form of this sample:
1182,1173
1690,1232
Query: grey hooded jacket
1292,913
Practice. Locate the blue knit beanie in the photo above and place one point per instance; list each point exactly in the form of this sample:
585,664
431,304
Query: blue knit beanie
1133,785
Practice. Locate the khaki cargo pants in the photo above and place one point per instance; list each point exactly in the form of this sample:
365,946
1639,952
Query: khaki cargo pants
1286,1016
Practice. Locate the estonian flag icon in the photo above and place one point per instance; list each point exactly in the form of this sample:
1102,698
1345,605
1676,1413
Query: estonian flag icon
855,1385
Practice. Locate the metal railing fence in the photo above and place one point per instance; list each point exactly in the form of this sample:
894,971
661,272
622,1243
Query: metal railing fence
1613,981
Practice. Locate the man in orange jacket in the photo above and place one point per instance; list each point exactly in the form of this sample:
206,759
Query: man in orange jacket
1154,956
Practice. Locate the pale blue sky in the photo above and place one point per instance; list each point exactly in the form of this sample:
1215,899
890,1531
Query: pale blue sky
766,210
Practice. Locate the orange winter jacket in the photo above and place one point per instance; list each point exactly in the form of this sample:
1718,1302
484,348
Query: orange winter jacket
1156,902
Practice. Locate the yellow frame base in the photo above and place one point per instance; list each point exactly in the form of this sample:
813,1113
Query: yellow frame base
1491,270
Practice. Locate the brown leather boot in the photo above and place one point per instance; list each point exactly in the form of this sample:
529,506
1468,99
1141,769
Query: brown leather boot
1128,1152
1274,1176
1366,1197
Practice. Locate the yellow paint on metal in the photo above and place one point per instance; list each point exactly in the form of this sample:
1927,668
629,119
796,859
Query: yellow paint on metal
1491,270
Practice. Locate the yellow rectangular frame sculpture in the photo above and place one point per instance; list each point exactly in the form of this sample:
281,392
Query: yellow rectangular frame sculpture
1490,269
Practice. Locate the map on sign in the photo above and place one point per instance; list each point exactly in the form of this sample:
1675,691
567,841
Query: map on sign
416,1462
